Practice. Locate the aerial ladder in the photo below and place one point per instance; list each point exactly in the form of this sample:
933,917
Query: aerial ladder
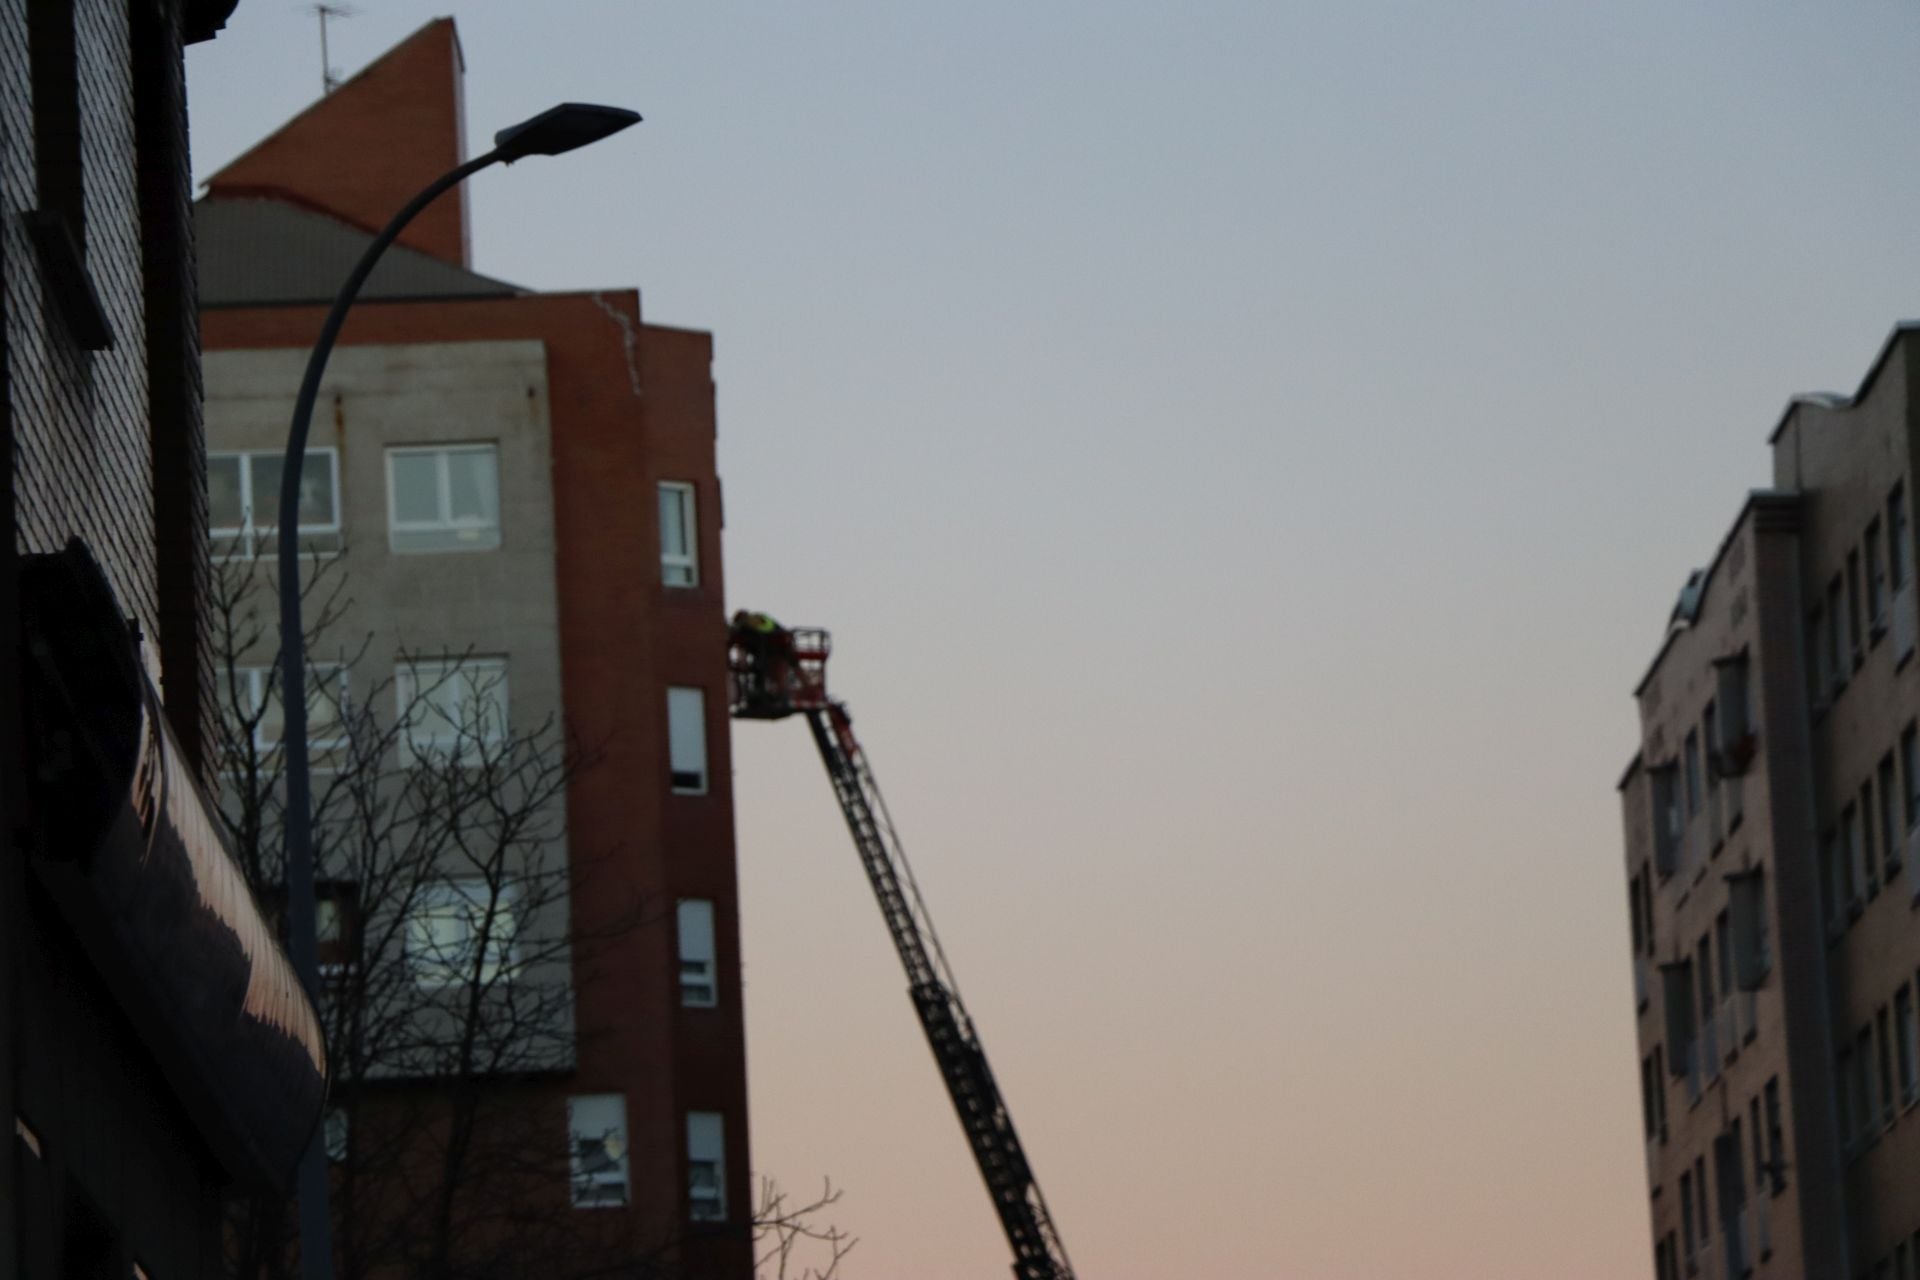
778,673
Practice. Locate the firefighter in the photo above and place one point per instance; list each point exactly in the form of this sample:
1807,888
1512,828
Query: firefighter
769,648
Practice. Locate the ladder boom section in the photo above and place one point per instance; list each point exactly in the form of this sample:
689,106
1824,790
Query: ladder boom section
1037,1249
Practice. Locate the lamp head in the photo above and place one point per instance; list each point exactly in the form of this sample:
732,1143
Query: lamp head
560,129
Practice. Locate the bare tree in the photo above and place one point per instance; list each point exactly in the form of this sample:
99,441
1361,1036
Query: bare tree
448,952
790,1242
448,955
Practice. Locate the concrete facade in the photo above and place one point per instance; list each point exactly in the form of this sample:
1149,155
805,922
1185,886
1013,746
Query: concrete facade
1769,817
592,410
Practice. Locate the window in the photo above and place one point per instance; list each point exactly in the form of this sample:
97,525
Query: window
1650,1097
1700,1190
1693,773
1776,1137
1709,1039
453,711
1863,1084
1665,793
1730,697
1890,834
335,1132
255,695
243,500
1870,864
1676,1000
1730,1173
1910,774
1856,866
444,499
336,924
1723,943
1686,1220
698,980
1876,581
1752,948
1836,634
1906,1046
462,931
679,536
1833,887
1646,910
1660,1088
1883,1042
597,1149
1710,732
1897,537
1637,913
687,740
706,1167
1855,632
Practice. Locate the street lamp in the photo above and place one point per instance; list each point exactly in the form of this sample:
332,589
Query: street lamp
553,132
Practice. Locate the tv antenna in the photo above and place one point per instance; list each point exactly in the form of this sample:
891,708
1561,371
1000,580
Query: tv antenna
328,80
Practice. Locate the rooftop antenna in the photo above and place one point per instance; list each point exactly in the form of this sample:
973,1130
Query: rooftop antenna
328,80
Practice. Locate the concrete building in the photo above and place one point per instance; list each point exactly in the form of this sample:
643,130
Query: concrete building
523,482
1773,865
158,1052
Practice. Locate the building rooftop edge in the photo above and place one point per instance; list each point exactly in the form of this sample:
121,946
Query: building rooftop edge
1833,399
1757,499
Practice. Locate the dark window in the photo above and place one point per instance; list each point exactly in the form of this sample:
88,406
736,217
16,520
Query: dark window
1872,864
1885,1046
1836,634
1897,555
336,924
1856,632
56,113
1910,774
1890,834
1776,1137
1694,794
1876,579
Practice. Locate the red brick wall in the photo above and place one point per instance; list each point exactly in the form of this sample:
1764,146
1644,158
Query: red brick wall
345,155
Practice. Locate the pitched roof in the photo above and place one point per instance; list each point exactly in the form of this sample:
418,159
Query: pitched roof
364,150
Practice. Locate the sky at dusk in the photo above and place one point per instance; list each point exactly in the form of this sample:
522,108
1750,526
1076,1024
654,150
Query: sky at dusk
1246,453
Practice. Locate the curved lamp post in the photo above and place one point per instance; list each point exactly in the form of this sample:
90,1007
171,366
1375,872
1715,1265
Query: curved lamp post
560,129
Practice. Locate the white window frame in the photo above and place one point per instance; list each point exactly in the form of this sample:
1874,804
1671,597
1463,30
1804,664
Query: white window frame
435,965
680,563
250,539
456,529
443,740
681,751
706,1166
699,966
254,682
598,1119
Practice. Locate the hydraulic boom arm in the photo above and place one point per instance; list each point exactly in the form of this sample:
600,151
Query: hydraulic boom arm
779,673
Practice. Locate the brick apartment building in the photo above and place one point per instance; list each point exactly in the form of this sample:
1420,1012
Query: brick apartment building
158,1051
1773,865
525,482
